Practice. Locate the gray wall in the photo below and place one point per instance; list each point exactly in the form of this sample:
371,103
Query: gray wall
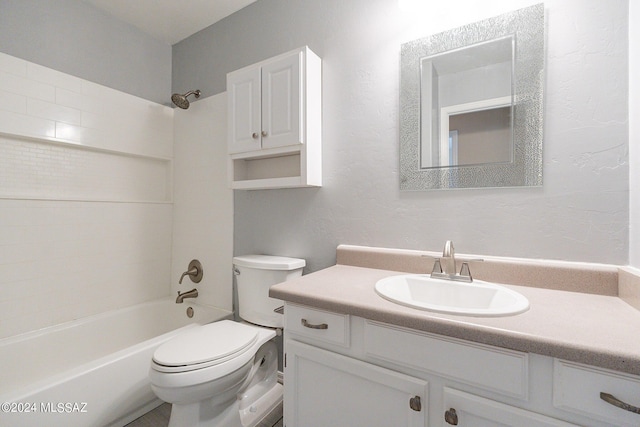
581,212
78,39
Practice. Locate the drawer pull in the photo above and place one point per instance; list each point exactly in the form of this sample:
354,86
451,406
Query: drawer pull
312,326
619,403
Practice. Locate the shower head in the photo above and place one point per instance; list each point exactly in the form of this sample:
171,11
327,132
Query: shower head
182,101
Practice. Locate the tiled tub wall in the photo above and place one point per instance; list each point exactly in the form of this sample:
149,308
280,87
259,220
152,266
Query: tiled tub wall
85,197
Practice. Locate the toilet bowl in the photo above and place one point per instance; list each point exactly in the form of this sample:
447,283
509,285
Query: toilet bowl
225,374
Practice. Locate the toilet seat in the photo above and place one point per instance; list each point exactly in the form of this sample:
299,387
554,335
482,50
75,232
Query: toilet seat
206,346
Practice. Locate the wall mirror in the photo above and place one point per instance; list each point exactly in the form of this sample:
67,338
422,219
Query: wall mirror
471,105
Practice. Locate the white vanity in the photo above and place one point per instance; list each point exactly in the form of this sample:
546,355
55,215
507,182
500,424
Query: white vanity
353,358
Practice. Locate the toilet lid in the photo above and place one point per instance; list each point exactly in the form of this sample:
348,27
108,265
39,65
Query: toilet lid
206,345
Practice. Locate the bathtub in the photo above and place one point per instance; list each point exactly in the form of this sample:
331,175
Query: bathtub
92,371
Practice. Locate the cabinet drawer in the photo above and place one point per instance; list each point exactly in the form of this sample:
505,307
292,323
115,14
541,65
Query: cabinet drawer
577,388
471,410
492,368
320,325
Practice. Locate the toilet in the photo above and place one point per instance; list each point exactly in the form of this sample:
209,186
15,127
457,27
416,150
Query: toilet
225,374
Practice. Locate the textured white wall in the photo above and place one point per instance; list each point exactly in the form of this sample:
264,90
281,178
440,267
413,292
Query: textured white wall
634,133
203,204
582,211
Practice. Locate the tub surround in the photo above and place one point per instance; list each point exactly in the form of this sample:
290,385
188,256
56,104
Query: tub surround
85,198
594,327
202,223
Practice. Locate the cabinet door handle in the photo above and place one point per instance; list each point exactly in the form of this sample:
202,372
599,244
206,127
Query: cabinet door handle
312,326
264,133
451,417
415,403
619,403
254,135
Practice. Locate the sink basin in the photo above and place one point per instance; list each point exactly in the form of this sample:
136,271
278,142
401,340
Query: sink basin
477,298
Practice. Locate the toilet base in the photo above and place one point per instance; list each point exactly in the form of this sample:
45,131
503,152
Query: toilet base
240,398
251,416
190,415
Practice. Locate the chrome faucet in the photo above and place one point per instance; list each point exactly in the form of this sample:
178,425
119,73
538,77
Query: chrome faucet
189,294
445,267
448,260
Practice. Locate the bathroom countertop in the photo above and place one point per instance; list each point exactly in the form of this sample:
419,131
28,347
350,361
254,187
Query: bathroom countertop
597,330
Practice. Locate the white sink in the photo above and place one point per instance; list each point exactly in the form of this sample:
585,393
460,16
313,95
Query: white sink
477,298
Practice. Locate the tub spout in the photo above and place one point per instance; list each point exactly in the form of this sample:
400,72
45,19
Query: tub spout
189,294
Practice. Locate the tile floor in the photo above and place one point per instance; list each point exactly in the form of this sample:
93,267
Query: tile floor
159,417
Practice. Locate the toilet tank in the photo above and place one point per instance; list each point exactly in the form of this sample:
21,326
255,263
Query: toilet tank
255,274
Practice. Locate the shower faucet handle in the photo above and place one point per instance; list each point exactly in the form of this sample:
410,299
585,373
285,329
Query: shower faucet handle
194,272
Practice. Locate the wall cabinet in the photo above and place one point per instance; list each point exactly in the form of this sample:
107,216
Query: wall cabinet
343,370
274,122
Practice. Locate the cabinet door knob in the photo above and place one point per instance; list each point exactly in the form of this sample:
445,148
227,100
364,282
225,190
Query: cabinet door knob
451,417
254,135
612,400
312,326
415,404
264,133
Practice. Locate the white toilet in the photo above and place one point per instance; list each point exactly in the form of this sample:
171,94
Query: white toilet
224,374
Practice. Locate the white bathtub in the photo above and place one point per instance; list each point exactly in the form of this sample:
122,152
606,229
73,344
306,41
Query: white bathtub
92,371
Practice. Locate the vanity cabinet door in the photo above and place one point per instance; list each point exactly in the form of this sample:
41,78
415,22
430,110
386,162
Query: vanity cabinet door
327,389
467,410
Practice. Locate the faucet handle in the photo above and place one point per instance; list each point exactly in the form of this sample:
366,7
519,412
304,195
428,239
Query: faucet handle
191,272
465,271
194,272
437,268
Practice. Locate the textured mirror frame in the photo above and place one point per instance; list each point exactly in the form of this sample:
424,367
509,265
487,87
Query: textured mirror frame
528,28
